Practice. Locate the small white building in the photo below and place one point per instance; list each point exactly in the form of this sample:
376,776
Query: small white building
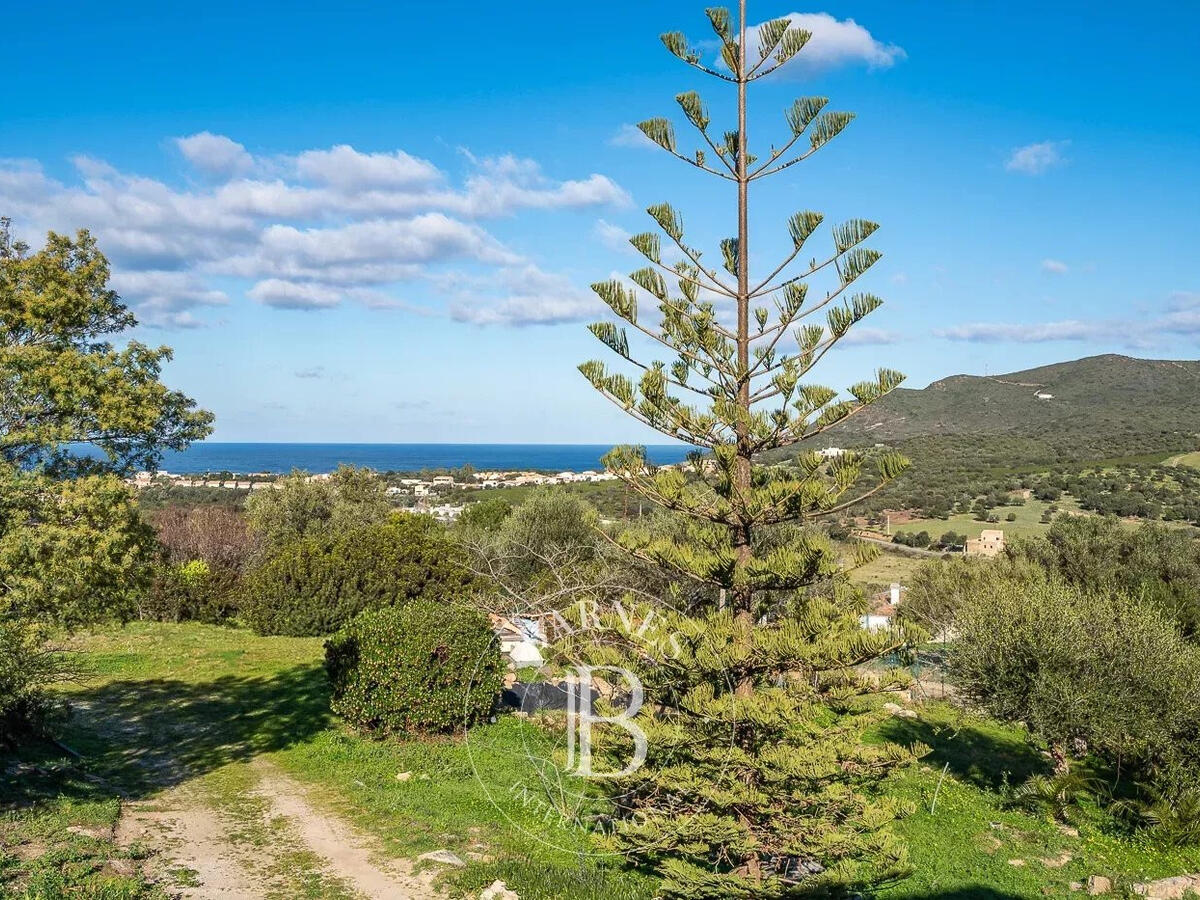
831,452
1044,395
882,609
521,640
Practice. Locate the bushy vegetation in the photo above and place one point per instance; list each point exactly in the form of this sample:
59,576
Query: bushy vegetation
206,551
1103,672
300,506
426,667
315,585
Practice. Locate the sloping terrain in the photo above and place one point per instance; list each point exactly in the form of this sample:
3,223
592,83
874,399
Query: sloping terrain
1101,406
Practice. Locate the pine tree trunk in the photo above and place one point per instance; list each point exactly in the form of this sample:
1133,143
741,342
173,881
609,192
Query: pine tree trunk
743,598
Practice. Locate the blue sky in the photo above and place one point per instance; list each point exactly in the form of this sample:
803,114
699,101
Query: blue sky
379,223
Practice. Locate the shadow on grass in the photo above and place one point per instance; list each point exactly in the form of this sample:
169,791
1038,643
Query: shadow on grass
141,736
975,753
971,892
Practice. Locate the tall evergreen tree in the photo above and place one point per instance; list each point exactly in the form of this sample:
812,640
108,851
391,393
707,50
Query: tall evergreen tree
758,783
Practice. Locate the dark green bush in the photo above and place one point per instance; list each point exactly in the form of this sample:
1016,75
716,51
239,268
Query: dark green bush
425,667
27,666
316,585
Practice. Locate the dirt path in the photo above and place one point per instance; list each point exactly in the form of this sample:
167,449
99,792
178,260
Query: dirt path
265,838
351,856
194,849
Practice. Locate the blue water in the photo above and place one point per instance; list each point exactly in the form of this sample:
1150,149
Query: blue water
244,458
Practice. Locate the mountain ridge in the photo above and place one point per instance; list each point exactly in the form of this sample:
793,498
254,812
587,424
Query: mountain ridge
1098,406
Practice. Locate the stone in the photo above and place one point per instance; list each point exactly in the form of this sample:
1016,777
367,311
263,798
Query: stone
498,890
1098,884
403,776
445,857
1169,888
1016,862
899,711
1057,862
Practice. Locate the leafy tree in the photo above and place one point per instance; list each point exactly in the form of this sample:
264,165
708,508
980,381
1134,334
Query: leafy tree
315,585
766,796
65,384
73,548
1098,667
300,506
486,515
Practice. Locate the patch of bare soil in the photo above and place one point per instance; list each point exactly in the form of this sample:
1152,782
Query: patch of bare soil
195,855
349,855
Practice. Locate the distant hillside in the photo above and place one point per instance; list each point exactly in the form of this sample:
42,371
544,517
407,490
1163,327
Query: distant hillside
1101,406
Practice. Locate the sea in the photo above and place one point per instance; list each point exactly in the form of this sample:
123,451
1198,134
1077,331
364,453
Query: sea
246,458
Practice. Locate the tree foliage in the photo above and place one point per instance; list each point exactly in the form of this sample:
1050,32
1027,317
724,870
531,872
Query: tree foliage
64,382
300,506
315,585
73,548
767,794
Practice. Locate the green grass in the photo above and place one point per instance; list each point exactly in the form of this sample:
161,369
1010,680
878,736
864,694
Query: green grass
964,844
1028,522
1186,459
886,568
169,704
187,703
56,834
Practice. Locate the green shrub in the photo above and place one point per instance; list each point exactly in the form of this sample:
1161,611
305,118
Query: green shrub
425,667
316,585
27,666
192,591
1106,669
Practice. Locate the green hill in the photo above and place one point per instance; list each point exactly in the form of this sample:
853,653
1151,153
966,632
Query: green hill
1100,407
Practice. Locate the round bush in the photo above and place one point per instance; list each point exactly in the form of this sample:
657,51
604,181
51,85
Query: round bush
425,667
316,585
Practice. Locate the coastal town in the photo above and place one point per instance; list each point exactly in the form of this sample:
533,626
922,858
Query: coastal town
430,494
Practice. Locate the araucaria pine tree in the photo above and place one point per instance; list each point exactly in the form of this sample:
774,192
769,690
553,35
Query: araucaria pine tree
757,783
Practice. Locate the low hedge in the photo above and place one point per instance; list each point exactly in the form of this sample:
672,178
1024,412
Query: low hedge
423,668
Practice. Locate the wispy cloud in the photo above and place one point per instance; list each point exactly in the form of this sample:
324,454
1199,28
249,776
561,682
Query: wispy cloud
631,136
1055,267
307,231
1180,316
1037,159
311,373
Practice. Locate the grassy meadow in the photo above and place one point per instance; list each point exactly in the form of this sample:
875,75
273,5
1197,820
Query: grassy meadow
202,706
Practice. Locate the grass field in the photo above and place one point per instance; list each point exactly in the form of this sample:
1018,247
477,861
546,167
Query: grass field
886,568
1186,459
1028,521
202,707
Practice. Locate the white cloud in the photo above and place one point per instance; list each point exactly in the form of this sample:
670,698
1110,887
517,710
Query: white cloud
308,230
345,168
215,154
312,372
166,298
1055,267
867,336
631,136
1036,159
1181,317
835,42
294,295
995,332
527,296
614,237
